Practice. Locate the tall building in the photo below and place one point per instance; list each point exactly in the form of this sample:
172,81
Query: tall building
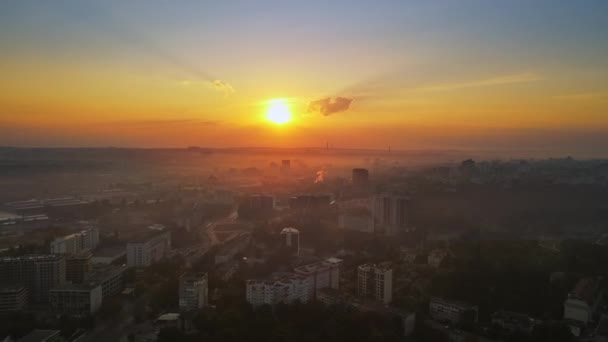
292,239
148,250
77,266
13,298
286,289
75,243
254,206
322,274
37,273
390,214
193,291
375,281
76,299
360,178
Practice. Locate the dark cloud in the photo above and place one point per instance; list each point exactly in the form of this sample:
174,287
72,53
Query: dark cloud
328,106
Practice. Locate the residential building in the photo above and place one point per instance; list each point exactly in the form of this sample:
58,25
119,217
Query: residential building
451,311
148,250
75,243
292,239
37,273
77,265
286,288
390,213
375,281
42,336
193,291
112,279
583,301
76,299
13,298
322,274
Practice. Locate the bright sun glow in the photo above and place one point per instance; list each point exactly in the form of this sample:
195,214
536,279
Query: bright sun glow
278,111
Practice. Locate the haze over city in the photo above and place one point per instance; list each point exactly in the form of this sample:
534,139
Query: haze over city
296,171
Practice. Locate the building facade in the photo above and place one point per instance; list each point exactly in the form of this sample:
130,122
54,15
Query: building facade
450,311
76,299
75,243
390,213
37,273
322,274
149,250
375,281
286,289
77,266
292,239
193,291
13,299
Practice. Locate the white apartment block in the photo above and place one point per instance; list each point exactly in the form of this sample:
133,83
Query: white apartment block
75,243
286,289
375,281
193,291
322,274
148,251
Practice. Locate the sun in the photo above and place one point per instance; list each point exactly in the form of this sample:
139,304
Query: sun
278,111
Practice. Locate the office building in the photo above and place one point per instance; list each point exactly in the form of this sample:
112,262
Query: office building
322,274
193,291
451,311
37,273
360,178
77,266
292,239
285,289
582,301
13,298
375,281
112,279
75,243
76,299
390,214
149,249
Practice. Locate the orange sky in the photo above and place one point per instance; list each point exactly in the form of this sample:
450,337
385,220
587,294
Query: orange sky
74,81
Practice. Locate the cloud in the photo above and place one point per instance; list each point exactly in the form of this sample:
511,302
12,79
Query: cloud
499,80
223,86
328,106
